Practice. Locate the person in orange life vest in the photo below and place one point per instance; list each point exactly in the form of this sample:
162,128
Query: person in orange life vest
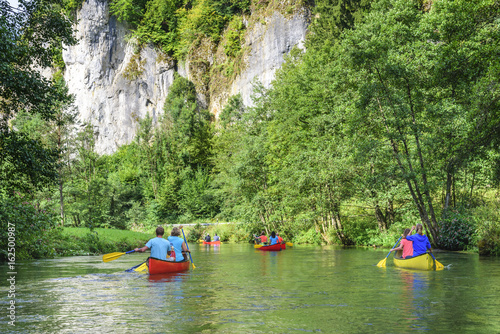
178,244
263,238
420,241
280,239
260,239
405,245
160,248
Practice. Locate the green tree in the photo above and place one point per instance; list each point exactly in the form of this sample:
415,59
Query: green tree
396,60
30,37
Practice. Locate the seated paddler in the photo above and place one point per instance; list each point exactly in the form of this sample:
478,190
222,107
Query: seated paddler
273,239
160,248
178,244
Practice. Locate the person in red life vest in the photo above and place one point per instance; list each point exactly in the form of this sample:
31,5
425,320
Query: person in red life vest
405,245
280,239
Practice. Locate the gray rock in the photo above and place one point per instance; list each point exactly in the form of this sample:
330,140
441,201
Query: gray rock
113,98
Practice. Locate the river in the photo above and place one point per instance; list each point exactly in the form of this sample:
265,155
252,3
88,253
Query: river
237,289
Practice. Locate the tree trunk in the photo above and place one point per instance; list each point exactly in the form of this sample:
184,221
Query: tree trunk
472,186
61,199
390,213
380,218
448,190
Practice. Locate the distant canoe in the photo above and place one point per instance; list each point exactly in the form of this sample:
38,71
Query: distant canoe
275,247
421,262
211,243
157,266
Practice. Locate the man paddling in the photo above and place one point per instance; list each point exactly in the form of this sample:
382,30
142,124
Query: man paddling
160,248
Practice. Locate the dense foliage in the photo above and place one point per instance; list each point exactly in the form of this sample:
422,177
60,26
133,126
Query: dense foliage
30,40
389,118
174,25
29,231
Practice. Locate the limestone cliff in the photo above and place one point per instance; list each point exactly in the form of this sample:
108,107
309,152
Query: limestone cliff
115,86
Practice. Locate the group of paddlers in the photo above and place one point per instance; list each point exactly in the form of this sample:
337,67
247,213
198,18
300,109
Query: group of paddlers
172,249
413,245
274,238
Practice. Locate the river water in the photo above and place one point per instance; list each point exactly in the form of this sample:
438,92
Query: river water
237,289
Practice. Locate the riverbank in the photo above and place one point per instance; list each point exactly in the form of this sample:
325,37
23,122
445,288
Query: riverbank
83,241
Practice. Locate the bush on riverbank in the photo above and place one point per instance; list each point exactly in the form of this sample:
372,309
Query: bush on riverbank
227,232
488,229
456,231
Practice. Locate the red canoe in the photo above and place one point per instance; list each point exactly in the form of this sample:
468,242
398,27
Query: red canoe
157,266
275,247
211,243
283,246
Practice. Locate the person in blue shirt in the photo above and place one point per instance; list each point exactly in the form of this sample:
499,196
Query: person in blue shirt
216,237
273,239
178,244
160,248
420,241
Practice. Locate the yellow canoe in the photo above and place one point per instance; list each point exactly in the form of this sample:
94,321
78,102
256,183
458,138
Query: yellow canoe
421,262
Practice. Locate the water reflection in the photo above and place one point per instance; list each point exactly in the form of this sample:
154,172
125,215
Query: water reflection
214,249
168,277
415,297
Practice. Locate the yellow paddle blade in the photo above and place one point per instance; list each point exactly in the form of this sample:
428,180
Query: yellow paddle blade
142,267
289,244
111,256
439,265
382,263
257,246
193,265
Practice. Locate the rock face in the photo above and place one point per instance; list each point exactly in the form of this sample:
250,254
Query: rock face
269,44
115,87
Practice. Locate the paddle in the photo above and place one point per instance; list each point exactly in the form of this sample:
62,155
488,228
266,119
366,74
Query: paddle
190,257
114,256
139,267
257,246
439,266
142,267
382,262
289,244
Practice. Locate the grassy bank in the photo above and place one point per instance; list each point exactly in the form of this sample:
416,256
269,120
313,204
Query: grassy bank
83,241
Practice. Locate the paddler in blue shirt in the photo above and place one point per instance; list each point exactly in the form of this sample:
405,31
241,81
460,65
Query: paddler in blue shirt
273,239
420,241
160,248
178,244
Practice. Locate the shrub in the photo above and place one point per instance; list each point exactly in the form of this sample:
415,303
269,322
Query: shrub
195,234
308,237
455,231
489,242
389,238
